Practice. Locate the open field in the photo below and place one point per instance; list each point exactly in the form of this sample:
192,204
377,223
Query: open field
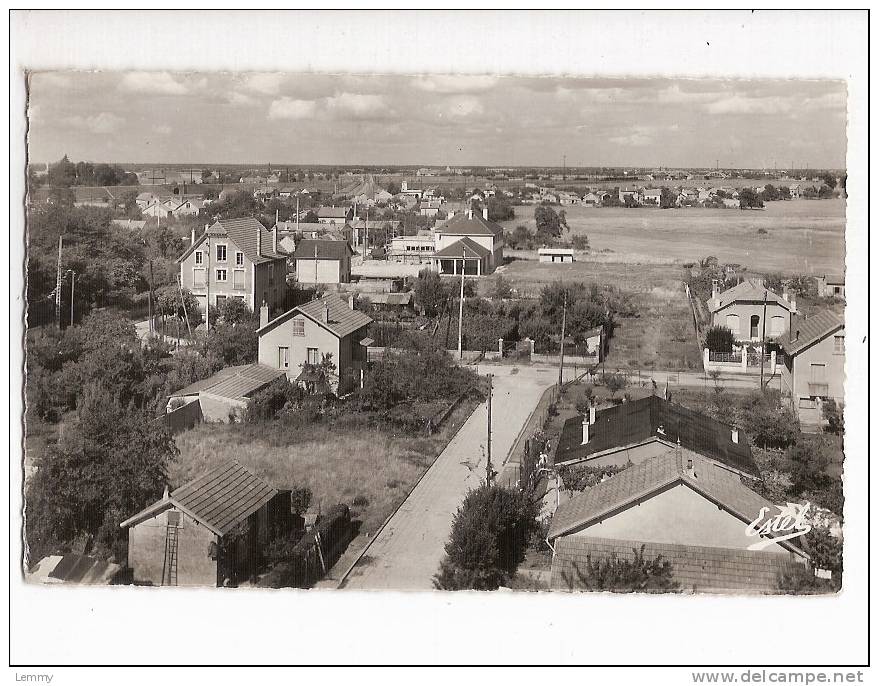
367,469
803,236
660,337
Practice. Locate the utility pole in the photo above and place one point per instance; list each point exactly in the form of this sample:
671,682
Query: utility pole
562,339
488,470
72,286
461,316
58,284
763,339
183,305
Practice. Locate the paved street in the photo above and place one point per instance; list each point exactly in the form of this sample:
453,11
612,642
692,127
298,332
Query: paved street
407,552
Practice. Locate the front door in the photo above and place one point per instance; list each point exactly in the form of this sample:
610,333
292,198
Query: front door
755,326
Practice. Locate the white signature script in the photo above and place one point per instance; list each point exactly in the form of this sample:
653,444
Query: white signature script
790,522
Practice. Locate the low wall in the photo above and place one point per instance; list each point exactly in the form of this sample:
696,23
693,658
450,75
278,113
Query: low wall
570,360
184,417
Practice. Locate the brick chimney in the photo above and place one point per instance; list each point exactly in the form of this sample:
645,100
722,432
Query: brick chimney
585,431
263,314
191,238
326,314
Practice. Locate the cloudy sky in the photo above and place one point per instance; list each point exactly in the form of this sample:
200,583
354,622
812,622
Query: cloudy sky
457,120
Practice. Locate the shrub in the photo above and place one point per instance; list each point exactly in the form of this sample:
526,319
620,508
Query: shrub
719,339
489,534
833,414
267,403
624,576
614,383
808,465
802,581
579,477
825,551
768,421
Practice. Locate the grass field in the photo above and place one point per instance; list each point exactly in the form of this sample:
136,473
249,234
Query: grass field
660,337
803,236
371,471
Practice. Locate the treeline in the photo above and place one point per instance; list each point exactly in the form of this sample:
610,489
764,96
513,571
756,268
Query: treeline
65,173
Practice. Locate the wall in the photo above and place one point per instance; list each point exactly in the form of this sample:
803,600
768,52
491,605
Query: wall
184,417
216,409
745,310
146,553
273,293
328,271
282,335
217,288
678,515
797,379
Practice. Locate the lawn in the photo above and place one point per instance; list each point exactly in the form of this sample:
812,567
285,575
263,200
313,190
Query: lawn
370,470
802,236
660,337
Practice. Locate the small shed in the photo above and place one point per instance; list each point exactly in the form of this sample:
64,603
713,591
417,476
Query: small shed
556,254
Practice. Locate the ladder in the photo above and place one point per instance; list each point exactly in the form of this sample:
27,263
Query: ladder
169,571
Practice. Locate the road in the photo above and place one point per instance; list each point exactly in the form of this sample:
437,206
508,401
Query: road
406,553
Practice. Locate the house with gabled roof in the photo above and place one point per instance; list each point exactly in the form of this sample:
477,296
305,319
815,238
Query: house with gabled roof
334,215
638,430
235,258
699,516
323,260
831,285
209,532
814,363
468,242
741,310
308,332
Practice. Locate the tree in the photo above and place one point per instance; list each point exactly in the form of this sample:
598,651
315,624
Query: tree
112,463
809,464
233,344
430,292
834,415
499,210
719,339
768,420
487,543
667,199
614,383
234,311
622,575
170,303
547,222
501,288
62,173
748,198
828,180
580,242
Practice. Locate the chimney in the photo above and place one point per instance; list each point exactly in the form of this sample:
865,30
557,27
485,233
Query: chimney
166,494
451,214
263,314
275,238
793,305
715,289
785,295
259,240
734,435
192,237
592,414
585,431
326,314
351,300
470,213
485,213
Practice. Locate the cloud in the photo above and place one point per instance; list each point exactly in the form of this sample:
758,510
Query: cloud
464,107
155,83
105,122
238,98
267,84
51,79
163,129
637,136
739,104
455,84
357,105
290,108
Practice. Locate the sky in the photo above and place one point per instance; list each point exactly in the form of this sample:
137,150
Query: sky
457,120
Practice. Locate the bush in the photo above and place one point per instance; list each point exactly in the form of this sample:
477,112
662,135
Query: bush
768,420
489,534
624,576
614,383
579,477
266,404
808,463
825,551
802,581
719,339
833,414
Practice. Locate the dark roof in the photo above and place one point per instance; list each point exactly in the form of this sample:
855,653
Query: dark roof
234,383
639,420
804,331
219,499
82,569
695,568
342,320
834,278
464,247
322,249
749,291
649,478
465,224
243,233
333,212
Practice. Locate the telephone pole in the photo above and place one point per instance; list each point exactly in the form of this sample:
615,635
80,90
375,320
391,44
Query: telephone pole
562,339
461,316
58,284
489,472
762,340
72,286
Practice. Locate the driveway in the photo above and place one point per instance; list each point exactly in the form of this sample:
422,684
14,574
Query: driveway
406,553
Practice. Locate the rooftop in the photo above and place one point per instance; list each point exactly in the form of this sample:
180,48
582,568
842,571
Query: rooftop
467,224
749,291
804,331
243,233
333,212
235,383
342,319
640,420
464,247
322,249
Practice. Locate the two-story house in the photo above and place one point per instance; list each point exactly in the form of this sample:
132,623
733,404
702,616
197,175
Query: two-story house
323,261
235,258
814,363
470,242
741,310
334,215
306,333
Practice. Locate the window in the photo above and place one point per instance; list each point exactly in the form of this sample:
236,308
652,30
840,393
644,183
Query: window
839,344
175,518
313,357
283,357
198,277
755,326
219,300
817,375
221,253
298,327
239,258
237,278
837,290
776,325
732,323
221,275
199,257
